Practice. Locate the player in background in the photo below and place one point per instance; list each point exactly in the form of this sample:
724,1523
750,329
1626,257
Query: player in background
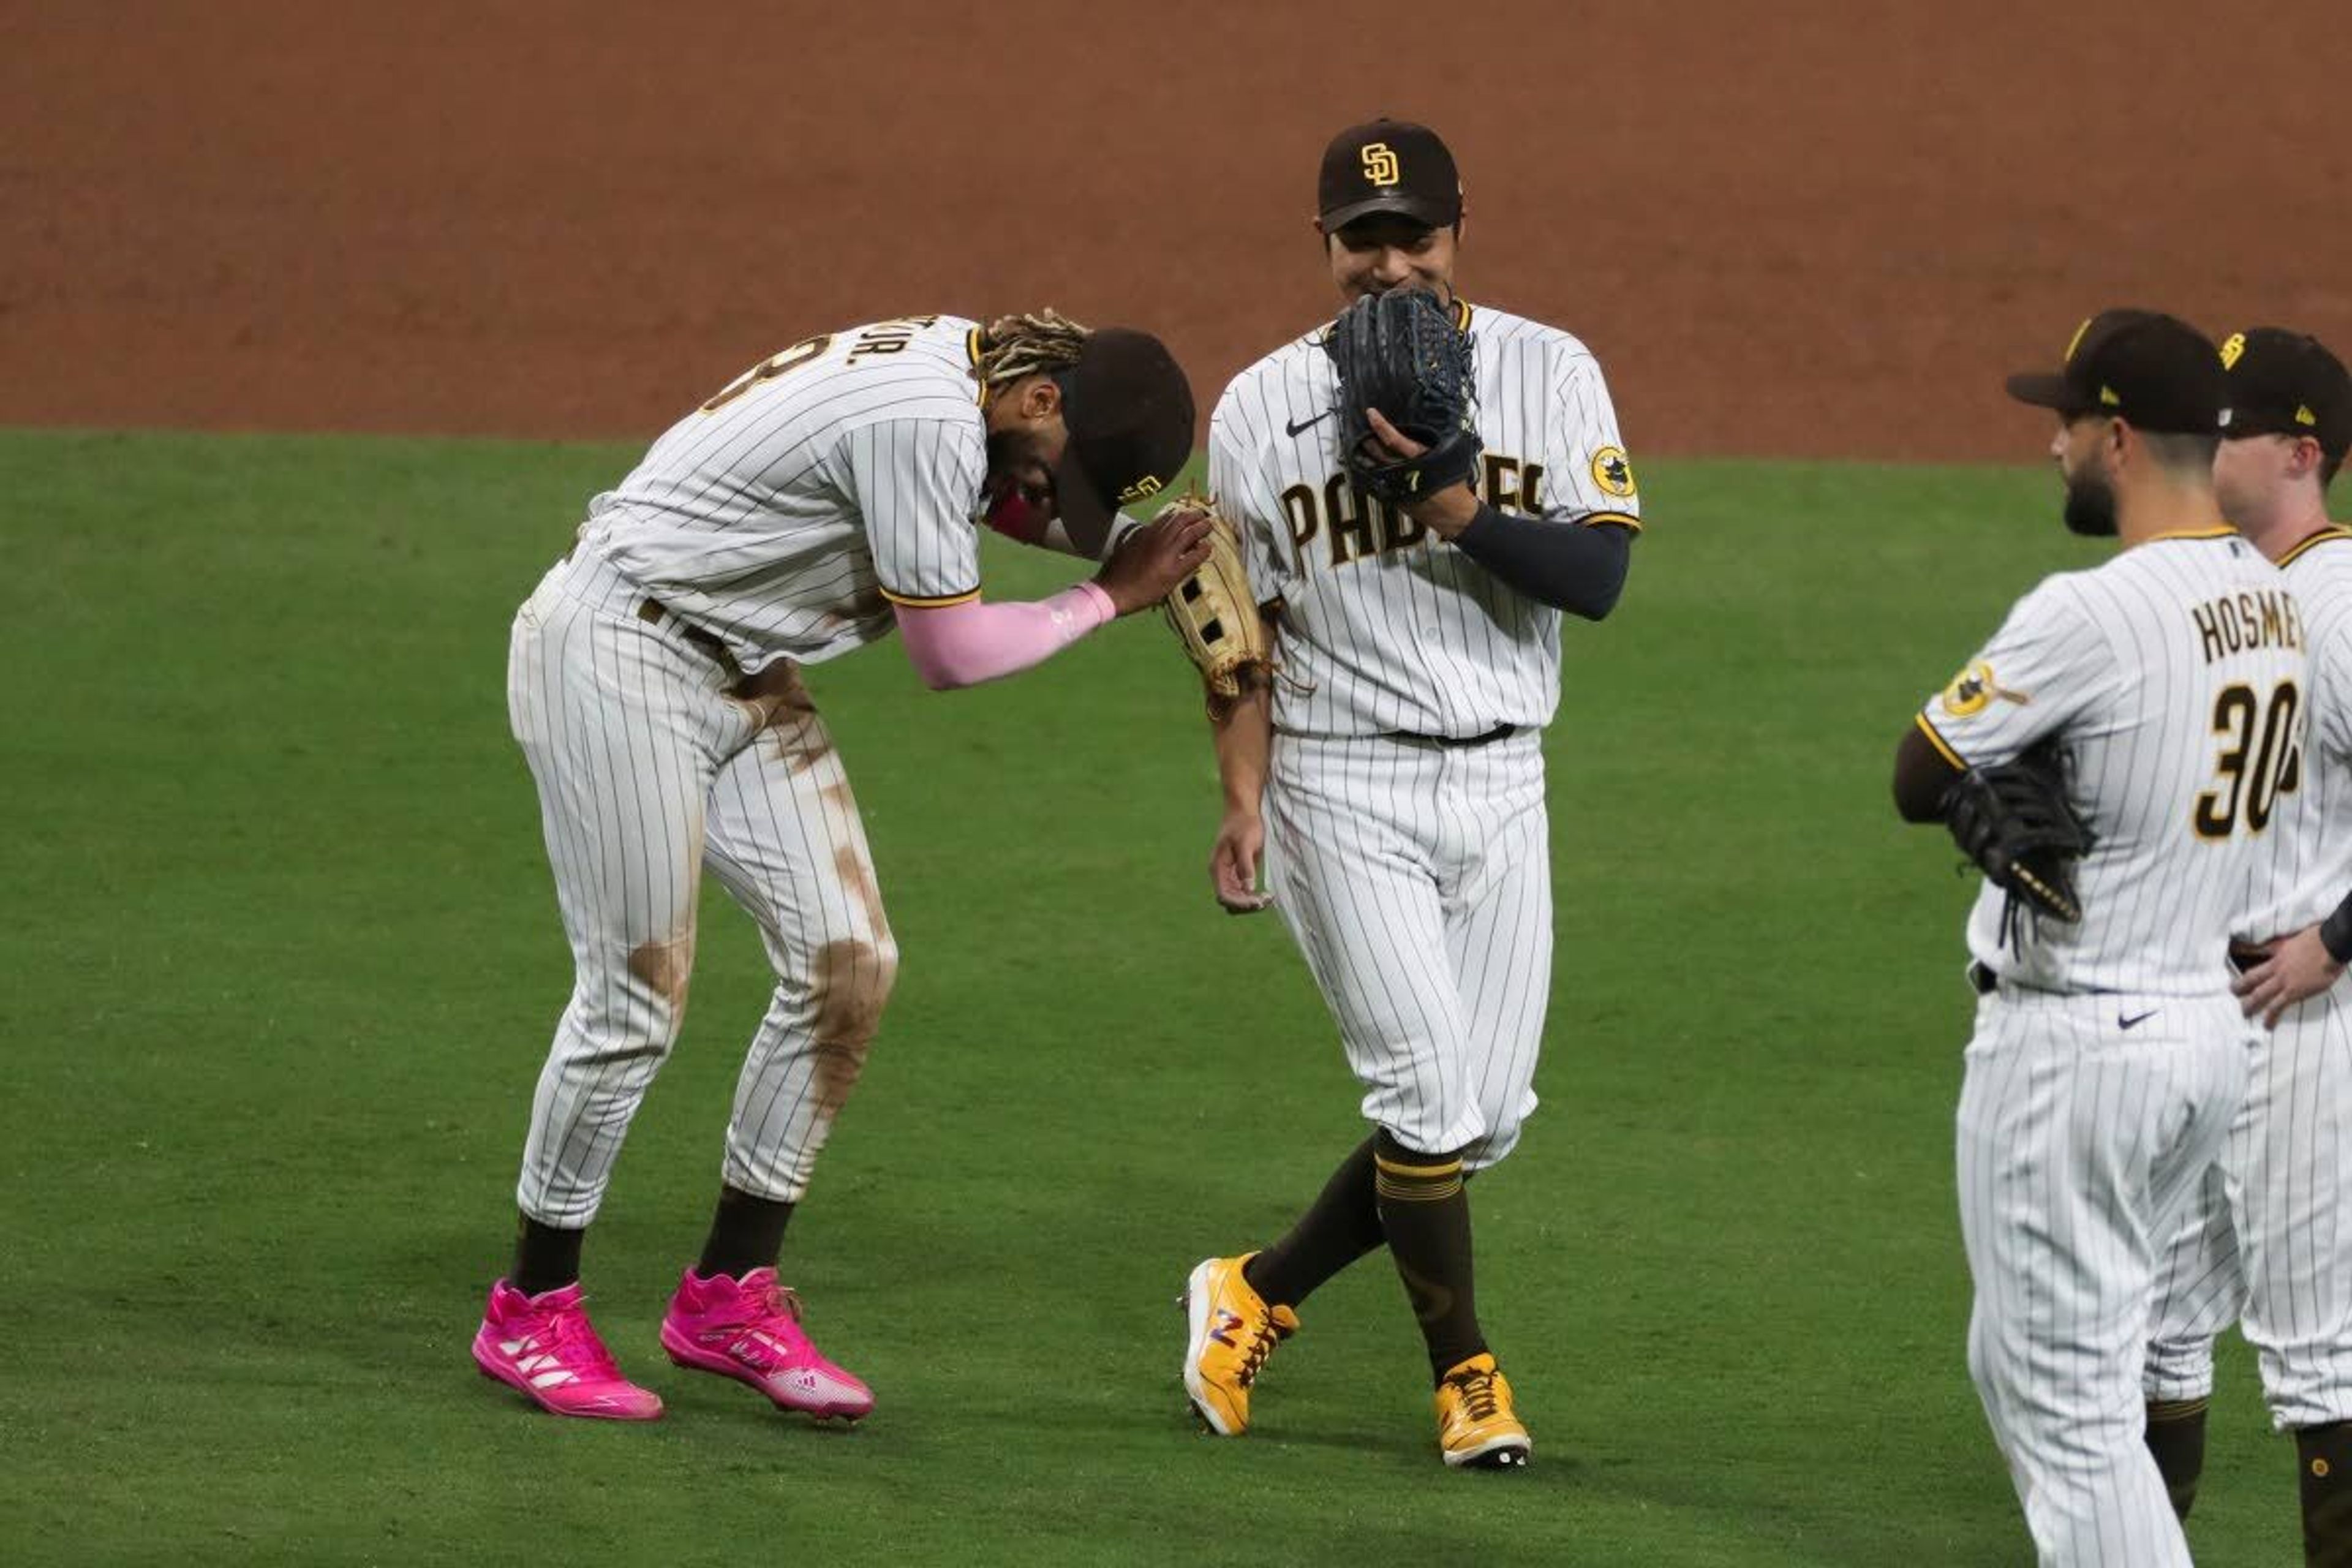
2270,1232
1393,778
829,494
2108,1054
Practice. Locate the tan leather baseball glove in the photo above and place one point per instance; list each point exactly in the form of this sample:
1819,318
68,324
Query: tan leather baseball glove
1213,613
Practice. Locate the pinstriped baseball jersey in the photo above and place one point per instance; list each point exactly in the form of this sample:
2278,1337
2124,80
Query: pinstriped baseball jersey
1384,627
2173,677
2307,864
783,514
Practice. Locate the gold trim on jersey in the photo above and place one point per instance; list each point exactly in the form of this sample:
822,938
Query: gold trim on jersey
2224,532
971,347
1460,314
2322,537
1622,520
916,602
1943,748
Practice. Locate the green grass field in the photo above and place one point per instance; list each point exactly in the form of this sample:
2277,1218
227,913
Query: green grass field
282,958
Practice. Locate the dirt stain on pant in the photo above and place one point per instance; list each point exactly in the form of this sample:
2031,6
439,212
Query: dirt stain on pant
782,712
850,984
667,968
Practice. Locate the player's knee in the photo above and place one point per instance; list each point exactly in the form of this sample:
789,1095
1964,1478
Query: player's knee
660,970
2178,1368
632,1010
1491,1148
849,984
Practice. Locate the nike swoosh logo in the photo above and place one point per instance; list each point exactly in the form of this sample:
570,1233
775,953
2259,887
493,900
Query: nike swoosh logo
1303,424
2124,1023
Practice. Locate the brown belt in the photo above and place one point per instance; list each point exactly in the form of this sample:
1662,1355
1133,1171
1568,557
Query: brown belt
653,612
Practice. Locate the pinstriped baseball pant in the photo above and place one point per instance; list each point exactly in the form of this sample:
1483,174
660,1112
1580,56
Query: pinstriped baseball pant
2270,1233
2079,1142
1417,880
650,770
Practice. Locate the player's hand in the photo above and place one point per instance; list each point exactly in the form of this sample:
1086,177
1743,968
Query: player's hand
1233,862
2297,969
1447,512
1152,559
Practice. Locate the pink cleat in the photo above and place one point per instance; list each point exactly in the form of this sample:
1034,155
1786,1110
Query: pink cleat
750,1330
545,1346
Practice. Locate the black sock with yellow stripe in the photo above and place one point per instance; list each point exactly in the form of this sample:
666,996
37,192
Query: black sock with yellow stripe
2175,1439
2326,1453
1343,1224
1425,1211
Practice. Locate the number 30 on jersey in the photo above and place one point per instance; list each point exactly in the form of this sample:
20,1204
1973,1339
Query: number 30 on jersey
2261,759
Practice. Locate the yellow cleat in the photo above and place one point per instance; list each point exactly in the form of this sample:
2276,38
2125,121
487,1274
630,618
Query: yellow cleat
1233,1333
1475,1426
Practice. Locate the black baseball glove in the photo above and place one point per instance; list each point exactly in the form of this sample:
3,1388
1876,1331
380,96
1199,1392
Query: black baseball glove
1401,354
2014,821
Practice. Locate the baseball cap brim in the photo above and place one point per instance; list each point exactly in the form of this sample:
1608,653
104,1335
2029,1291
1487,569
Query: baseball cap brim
1085,512
2044,389
1436,214
2246,423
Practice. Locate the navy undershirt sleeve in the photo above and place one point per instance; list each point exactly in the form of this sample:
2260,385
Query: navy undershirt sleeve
2336,932
1569,567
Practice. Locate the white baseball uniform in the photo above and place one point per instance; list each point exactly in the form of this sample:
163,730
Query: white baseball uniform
2109,1055
653,685
1407,843
2270,1233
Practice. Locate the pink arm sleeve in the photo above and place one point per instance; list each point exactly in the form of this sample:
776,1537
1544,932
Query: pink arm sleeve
963,645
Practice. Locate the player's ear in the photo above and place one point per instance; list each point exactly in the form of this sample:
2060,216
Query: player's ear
2119,441
1041,399
2304,461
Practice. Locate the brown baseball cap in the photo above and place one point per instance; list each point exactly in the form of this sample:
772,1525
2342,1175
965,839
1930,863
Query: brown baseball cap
2287,384
1388,166
1129,412
2153,372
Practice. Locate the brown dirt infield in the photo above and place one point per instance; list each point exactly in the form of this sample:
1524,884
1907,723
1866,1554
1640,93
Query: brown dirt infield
1817,229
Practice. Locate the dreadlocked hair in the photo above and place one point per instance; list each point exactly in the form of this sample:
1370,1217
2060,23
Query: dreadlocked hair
1014,346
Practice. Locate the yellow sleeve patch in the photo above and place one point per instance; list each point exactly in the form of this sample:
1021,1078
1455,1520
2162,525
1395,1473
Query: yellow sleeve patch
1970,691
1612,473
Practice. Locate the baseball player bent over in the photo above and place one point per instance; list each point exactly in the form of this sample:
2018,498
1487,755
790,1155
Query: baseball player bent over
1391,773
2270,1232
2160,696
829,493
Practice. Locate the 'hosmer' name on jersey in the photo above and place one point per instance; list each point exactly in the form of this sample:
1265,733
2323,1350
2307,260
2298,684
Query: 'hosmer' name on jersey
2174,676
1384,628
785,513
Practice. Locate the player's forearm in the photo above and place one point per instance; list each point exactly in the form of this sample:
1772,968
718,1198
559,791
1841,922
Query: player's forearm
953,645
1578,569
1245,739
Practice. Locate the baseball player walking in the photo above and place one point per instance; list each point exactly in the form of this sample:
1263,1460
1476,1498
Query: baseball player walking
826,495
2270,1234
1393,776
2109,1055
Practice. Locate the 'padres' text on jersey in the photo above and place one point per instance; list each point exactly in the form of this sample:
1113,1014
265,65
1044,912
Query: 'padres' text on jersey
2174,678
1385,628
2306,867
786,512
